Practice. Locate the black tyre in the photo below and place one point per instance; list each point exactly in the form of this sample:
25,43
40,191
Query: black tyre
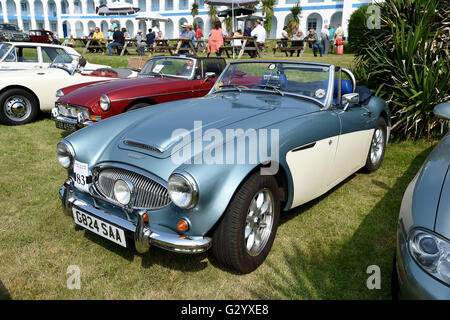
138,106
247,230
377,147
18,106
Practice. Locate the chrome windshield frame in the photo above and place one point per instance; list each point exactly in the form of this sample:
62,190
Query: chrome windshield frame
171,75
326,104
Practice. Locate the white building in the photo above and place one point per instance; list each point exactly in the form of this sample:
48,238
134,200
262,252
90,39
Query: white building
75,17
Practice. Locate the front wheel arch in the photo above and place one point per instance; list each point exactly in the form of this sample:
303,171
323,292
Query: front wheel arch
139,101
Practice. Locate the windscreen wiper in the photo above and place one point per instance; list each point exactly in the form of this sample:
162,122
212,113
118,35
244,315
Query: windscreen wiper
274,88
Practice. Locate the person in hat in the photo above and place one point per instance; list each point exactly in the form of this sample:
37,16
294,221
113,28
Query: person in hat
140,43
187,33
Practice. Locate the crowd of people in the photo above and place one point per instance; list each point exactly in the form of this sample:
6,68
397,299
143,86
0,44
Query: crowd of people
327,41
321,44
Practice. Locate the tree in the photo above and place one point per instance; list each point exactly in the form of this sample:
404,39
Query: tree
268,11
212,13
296,11
357,27
194,12
228,24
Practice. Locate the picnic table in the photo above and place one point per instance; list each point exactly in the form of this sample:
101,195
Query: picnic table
161,45
94,44
248,44
290,45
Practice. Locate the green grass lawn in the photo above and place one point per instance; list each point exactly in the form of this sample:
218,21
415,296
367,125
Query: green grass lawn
321,251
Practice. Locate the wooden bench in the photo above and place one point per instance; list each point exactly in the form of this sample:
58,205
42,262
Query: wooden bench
162,45
136,63
295,45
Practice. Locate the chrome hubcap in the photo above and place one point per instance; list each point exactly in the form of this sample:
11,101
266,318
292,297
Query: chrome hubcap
376,149
17,108
259,221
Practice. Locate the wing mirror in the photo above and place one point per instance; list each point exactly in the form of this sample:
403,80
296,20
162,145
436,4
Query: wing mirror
350,98
209,75
442,110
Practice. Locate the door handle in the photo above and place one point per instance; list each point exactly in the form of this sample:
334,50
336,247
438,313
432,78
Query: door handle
367,114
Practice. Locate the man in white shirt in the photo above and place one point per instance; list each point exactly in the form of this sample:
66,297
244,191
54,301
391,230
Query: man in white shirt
260,34
325,37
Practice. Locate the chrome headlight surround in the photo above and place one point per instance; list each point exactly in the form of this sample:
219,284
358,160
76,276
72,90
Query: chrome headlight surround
124,191
105,102
59,93
431,252
183,190
65,153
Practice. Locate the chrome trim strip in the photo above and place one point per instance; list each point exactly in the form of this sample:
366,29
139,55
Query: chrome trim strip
159,95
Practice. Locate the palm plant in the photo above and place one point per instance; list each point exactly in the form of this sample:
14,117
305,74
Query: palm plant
406,62
212,13
267,9
228,24
296,11
194,9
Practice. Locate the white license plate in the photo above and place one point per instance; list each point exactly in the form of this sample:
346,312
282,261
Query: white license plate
99,227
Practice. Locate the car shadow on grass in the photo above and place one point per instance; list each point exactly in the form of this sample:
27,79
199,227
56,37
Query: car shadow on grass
155,256
321,273
4,294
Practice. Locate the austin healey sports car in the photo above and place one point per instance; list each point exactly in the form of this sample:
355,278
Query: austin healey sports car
24,92
216,171
163,79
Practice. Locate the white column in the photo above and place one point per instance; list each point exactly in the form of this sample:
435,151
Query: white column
176,5
46,20
19,14
58,19
148,5
83,7
5,11
32,15
71,7
346,13
136,3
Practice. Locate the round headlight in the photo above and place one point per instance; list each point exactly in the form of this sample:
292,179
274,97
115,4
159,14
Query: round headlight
123,190
183,190
65,153
59,93
105,102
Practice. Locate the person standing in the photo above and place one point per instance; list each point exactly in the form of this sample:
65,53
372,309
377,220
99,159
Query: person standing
260,34
339,33
325,36
215,42
150,38
112,27
331,33
156,29
119,41
312,38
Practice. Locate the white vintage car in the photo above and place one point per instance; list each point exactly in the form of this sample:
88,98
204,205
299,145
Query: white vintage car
31,55
24,92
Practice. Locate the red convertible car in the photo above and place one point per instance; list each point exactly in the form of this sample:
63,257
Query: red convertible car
163,79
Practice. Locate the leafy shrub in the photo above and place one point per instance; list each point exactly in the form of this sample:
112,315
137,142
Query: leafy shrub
356,28
406,62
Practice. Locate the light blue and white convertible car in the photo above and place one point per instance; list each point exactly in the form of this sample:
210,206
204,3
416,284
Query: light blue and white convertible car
217,171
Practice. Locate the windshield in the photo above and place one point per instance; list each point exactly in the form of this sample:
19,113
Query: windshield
4,47
279,77
65,61
169,66
10,27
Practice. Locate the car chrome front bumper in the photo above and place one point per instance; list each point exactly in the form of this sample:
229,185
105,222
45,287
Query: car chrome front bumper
69,124
142,234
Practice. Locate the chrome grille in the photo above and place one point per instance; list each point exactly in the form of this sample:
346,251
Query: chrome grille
149,193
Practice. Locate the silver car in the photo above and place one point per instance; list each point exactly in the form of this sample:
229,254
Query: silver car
422,264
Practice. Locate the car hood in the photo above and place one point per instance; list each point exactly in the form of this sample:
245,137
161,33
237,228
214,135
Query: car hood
158,131
121,89
442,225
430,205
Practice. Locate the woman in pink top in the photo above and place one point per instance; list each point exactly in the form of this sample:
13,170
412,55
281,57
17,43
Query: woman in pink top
215,41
